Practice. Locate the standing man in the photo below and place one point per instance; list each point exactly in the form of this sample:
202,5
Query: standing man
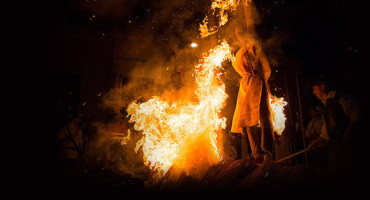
343,122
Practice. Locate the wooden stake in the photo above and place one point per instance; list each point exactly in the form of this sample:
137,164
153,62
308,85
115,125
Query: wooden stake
292,155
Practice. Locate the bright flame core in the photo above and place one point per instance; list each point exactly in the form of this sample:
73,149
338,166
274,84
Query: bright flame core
182,134
277,114
193,45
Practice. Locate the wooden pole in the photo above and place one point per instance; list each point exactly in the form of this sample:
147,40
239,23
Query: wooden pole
301,118
292,155
248,14
290,115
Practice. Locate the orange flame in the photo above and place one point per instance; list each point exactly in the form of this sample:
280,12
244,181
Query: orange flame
204,30
183,134
222,6
277,114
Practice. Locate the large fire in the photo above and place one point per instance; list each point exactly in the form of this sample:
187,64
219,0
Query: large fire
182,134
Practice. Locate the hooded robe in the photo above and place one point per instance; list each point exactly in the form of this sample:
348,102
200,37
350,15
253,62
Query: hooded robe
252,65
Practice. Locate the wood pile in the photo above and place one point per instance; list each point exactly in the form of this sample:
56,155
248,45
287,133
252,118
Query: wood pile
243,175
229,174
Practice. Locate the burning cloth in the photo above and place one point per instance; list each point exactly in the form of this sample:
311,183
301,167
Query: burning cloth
255,73
252,107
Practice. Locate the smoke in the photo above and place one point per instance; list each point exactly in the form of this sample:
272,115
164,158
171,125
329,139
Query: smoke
273,47
115,139
157,50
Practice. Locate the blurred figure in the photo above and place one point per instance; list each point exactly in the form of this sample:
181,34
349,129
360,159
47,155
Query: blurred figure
319,153
298,126
70,138
282,148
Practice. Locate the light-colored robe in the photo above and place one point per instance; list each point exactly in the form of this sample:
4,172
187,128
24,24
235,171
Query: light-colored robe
253,66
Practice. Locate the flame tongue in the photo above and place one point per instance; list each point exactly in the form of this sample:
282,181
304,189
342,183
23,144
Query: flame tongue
278,116
221,6
182,134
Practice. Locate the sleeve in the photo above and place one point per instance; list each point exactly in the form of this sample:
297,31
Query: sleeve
324,132
307,132
318,126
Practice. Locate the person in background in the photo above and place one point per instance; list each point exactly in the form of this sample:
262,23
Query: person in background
70,139
312,132
282,147
343,124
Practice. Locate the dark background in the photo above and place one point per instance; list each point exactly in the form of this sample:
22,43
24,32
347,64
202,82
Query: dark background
315,38
304,38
